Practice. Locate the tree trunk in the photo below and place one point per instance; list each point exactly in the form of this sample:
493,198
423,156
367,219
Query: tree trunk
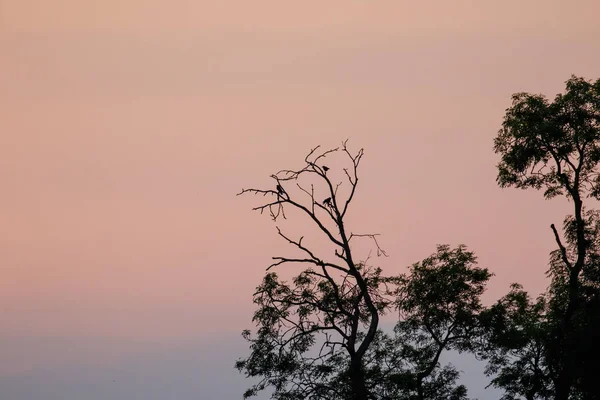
420,393
563,386
357,377
564,380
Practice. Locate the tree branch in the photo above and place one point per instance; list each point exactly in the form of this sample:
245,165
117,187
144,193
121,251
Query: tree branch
563,250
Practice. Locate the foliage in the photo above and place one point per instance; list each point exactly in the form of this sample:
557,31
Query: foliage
439,302
553,146
314,332
317,335
582,341
300,349
516,333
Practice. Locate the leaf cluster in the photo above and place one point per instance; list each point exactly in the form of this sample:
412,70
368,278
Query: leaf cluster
552,146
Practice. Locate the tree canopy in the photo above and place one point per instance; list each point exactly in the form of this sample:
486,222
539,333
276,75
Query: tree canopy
555,146
319,336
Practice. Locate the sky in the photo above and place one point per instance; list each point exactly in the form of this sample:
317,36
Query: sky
127,127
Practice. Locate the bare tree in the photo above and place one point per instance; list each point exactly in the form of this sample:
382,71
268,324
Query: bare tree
313,333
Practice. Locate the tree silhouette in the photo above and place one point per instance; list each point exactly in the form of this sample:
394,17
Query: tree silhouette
318,336
439,302
555,146
314,332
516,331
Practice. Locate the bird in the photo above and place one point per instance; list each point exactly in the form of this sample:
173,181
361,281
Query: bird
327,201
325,168
280,189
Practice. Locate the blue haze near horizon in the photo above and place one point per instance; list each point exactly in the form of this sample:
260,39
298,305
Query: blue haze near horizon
196,370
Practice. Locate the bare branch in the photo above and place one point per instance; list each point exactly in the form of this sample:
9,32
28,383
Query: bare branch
373,236
563,250
353,182
313,259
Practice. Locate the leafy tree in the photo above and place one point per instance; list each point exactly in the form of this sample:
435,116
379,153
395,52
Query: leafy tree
555,146
439,302
314,332
515,338
583,341
318,335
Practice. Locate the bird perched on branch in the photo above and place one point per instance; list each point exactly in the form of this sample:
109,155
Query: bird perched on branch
327,201
325,168
280,189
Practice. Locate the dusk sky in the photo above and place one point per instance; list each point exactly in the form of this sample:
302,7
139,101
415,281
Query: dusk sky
127,127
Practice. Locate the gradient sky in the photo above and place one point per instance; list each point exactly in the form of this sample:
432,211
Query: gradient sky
127,127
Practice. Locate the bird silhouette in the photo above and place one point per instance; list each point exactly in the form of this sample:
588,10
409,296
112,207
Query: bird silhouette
280,189
327,201
325,168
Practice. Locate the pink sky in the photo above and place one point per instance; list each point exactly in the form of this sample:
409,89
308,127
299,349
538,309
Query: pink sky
129,126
